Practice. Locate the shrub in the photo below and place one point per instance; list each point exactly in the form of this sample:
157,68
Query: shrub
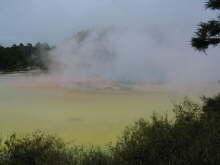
211,106
94,156
192,137
42,149
189,139
36,149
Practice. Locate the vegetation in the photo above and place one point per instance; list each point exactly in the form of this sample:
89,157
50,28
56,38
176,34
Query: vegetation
24,57
208,33
41,149
192,137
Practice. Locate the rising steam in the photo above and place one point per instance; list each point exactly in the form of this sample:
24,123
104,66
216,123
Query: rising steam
130,55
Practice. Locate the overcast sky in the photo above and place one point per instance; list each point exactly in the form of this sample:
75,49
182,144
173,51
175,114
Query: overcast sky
55,20
152,36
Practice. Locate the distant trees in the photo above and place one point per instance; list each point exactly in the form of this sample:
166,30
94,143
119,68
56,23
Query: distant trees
24,57
208,33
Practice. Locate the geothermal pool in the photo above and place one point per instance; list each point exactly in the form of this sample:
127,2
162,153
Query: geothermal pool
85,116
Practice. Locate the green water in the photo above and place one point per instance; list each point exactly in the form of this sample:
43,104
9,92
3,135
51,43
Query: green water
84,116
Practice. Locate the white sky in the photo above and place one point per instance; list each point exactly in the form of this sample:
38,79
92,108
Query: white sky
55,20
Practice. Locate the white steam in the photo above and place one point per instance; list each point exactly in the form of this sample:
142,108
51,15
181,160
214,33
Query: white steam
132,55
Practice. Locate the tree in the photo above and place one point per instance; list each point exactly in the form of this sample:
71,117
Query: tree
35,149
211,107
208,33
191,137
24,57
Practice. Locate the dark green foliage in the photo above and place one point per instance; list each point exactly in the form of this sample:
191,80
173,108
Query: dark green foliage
208,33
211,107
93,156
24,57
143,143
213,4
192,137
36,149
189,139
42,149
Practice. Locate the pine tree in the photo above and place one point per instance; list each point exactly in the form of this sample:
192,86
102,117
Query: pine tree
208,33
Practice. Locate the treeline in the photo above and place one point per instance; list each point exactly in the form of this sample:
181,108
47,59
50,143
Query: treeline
24,57
191,138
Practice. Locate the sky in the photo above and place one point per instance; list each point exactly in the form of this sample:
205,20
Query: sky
150,39
54,20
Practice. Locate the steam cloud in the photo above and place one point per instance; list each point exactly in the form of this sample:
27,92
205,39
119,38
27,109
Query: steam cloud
127,40
148,54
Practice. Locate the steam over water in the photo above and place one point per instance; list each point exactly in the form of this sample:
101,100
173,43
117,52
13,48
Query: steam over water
131,55
96,77
130,58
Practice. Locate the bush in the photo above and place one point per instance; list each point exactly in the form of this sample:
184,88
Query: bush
189,139
192,137
93,156
211,105
36,149
42,149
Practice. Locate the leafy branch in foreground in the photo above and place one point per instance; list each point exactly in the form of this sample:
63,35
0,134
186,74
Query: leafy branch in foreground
208,33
